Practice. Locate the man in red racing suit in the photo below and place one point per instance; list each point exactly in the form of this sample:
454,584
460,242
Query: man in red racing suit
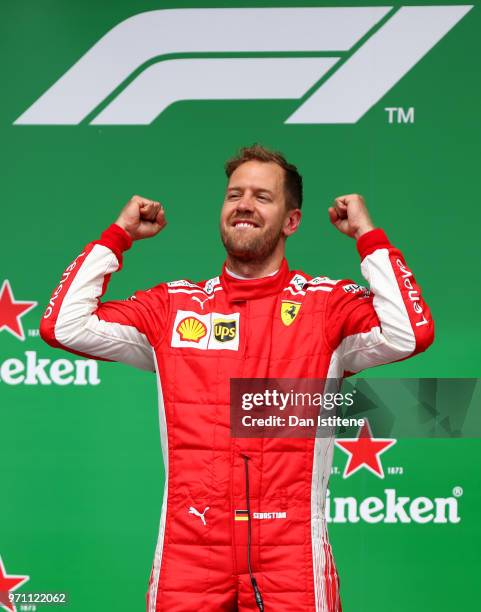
197,336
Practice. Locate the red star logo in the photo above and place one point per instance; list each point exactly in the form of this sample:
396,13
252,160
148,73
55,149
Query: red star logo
12,310
364,451
7,584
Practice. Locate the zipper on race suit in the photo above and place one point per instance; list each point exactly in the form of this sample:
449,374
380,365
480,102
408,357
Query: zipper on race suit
257,593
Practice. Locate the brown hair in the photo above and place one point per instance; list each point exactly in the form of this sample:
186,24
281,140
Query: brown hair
292,178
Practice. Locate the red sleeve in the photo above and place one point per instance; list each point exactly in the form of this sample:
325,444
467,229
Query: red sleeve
389,321
122,330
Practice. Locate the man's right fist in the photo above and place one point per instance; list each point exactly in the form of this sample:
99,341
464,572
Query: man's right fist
142,218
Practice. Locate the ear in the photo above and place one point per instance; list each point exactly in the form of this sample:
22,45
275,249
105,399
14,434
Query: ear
292,221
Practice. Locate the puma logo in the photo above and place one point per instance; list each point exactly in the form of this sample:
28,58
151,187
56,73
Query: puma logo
201,302
192,510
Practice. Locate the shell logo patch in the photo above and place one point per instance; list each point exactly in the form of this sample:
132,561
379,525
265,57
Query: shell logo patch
289,311
191,329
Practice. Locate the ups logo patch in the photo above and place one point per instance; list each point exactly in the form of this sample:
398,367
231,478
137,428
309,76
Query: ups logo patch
225,330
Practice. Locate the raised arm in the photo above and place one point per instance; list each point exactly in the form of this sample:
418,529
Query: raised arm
391,320
122,330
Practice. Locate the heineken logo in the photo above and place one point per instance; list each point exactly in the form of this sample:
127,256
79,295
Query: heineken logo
34,370
364,451
12,310
393,508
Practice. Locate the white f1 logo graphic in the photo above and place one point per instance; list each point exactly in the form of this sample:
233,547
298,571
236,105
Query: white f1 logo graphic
372,49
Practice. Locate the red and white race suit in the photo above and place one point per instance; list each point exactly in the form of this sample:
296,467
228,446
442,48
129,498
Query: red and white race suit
175,329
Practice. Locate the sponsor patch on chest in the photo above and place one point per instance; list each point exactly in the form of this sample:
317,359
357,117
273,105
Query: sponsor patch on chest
213,330
289,311
352,288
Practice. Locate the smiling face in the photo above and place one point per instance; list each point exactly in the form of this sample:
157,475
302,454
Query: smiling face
254,220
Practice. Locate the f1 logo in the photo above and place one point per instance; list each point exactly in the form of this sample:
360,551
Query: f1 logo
367,50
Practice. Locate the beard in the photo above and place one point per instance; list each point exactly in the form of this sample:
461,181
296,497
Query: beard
252,245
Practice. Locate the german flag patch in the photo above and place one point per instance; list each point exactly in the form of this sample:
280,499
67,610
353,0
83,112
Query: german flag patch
241,515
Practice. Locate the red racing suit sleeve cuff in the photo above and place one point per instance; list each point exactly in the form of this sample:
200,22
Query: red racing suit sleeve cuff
116,239
371,241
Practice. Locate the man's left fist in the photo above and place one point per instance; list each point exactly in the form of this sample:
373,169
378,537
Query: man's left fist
350,216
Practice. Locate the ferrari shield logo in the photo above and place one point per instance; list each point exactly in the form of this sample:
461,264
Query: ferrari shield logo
289,311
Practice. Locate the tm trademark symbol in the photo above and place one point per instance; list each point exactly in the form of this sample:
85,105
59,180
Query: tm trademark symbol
457,491
397,114
33,333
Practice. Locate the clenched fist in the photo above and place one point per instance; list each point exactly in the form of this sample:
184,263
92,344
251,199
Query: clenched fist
142,218
349,214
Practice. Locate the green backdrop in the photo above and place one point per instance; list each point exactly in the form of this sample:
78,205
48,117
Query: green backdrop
81,468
